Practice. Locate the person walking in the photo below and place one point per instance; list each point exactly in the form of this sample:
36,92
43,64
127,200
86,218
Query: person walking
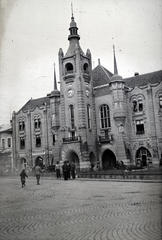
68,170
38,172
23,175
73,170
65,171
58,174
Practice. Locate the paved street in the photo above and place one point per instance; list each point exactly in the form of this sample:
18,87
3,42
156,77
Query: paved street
80,210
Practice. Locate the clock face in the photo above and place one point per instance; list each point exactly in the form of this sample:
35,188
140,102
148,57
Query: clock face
70,92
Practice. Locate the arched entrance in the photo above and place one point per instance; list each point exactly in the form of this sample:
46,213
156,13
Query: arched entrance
143,157
108,160
73,157
39,161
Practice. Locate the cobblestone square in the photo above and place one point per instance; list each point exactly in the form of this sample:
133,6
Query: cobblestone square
80,210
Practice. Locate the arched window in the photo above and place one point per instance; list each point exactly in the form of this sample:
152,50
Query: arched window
160,101
104,116
69,68
85,68
71,110
21,125
89,116
37,122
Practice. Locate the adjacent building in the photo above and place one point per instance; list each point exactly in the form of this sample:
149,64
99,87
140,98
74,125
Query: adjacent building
97,116
6,158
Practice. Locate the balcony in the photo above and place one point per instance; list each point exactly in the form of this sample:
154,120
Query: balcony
72,139
105,139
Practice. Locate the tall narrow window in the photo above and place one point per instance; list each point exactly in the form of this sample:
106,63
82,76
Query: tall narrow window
104,116
54,139
21,125
71,108
22,143
38,141
9,142
89,116
140,105
37,123
135,106
160,101
3,144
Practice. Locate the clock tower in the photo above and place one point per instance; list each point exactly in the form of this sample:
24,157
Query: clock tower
77,108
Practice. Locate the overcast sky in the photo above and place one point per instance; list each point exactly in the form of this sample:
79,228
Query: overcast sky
32,31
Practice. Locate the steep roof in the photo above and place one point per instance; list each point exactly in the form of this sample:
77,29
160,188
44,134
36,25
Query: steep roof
144,79
100,76
5,128
33,103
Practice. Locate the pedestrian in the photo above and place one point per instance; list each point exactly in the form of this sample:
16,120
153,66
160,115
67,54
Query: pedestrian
73,170
38,173
65,170
68,169
23,175
58,174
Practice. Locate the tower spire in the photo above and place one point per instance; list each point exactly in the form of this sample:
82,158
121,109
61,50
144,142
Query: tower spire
115,64
55,83
72,9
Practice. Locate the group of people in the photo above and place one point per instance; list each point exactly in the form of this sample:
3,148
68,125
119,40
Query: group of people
68,170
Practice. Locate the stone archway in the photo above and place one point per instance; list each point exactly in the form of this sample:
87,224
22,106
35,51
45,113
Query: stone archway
71,156
39,161
108,160
143,157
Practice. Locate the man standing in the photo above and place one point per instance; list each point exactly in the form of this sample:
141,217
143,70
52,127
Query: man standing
38,172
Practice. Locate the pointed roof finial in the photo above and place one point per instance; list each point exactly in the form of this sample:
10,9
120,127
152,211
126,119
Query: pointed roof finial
115,64
72,9
55,83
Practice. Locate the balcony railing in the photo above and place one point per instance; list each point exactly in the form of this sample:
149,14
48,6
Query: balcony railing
140,132
71,139
103,139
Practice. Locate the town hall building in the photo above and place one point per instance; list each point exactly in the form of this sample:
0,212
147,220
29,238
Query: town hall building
95,117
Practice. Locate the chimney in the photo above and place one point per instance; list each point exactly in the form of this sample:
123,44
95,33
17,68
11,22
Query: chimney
98,61
136,74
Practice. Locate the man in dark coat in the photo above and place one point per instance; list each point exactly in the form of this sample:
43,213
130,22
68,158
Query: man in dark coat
23,175
65,170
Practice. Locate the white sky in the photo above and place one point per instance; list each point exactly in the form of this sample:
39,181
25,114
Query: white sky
32,31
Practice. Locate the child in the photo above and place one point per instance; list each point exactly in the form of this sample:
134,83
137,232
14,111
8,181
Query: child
23,176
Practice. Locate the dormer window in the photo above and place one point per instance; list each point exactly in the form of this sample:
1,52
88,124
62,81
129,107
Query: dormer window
68,68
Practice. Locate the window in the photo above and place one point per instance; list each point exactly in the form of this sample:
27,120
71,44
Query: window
38,141
104,116
89,116
68,68
21,125
3,144
160,101
22,143
71,108
9,142
137,105
54,139
140,127
37,123
85,67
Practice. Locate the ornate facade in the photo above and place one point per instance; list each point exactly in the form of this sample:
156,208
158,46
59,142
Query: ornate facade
96,116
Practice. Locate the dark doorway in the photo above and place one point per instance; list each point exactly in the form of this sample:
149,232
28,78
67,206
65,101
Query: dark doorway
108,160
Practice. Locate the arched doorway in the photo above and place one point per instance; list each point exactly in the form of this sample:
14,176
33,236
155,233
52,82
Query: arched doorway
39,161
73,157
143,157
108,160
